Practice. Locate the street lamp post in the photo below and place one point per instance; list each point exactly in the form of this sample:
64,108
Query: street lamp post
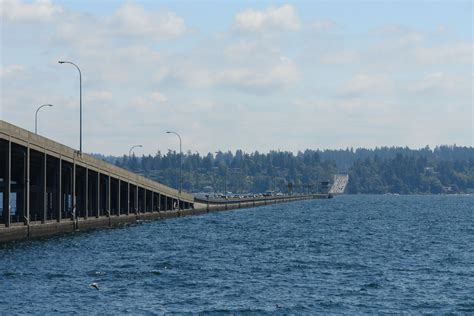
180,166
131,148
180,161
80,101
36,116
129,157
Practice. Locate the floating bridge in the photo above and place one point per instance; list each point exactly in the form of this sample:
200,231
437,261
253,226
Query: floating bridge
48,188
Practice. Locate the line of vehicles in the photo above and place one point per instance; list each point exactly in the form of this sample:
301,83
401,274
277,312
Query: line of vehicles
230,195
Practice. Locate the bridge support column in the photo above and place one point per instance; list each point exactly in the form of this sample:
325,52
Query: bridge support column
80,207
128,198
59,175
7,184
27,187
98,195
160,203
43,199
67,189
152,201
136,200
86,194
93,193
119,189
74,208
107,206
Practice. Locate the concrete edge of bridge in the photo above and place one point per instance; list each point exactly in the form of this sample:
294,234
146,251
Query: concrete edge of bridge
66,226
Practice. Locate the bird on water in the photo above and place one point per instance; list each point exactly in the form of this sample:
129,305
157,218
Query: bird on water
95,286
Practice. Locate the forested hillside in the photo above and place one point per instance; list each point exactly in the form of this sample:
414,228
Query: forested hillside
411,174
444,169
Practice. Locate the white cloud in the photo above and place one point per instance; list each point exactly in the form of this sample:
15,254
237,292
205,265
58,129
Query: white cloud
83,32
148,103
364,84
130,64
247,77
250,50
342,57
40,10
129,22
134,20
460,53
204,105
442,29
98,96
283,18
280,74
399,36
11,71
323,25
441,82
401,47
193,75
158,97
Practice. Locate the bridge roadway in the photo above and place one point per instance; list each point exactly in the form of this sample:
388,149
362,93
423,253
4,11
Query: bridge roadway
340,184
48,188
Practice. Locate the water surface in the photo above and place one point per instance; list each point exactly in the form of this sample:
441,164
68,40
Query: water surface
351,254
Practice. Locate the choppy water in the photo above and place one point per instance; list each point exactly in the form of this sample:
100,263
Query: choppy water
351,254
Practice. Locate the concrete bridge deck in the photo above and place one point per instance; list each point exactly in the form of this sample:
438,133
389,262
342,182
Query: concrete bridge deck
48,188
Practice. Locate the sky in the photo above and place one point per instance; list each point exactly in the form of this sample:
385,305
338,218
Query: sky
250,75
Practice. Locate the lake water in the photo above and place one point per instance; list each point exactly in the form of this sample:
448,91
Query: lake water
351,254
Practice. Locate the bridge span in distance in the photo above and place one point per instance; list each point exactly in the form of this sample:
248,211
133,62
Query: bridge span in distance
48,188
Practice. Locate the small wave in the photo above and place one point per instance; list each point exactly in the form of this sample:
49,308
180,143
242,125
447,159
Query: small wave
237,311
56,275
126,266
465,307
96,273
371,285
13,274
134,274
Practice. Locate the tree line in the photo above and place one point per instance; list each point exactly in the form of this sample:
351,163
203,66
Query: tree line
444,169
411,175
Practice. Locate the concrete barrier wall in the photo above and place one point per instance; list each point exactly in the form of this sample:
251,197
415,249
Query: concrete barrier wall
50,228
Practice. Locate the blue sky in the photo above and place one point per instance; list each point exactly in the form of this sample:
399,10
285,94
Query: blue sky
239,74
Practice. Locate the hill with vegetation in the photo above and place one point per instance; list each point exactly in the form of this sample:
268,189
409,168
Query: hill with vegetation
444,169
